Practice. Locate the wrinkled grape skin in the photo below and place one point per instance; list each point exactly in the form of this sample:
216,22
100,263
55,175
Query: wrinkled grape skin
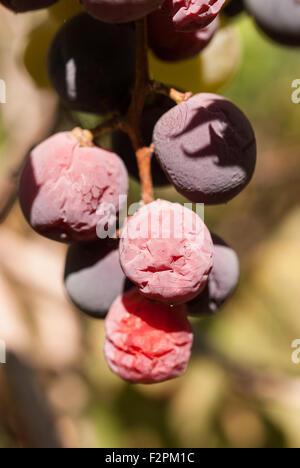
207,148
22,6
147,342
170,45
63,187
191,15
222,281
93,276
278,19
167,252
121,143
91,64
120,11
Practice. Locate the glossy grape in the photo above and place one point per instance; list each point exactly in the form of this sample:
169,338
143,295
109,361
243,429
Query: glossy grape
92,64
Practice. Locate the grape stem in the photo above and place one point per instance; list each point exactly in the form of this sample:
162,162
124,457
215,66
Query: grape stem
134,115
130,124
172,93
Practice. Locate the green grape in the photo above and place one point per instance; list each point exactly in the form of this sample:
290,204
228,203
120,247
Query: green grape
207,72
65,9
35,55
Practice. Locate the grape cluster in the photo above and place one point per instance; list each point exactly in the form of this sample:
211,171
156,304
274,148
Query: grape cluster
163,264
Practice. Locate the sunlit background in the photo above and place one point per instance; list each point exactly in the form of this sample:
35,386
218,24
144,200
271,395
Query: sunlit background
242,388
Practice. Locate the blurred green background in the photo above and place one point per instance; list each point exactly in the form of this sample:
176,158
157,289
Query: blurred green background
242,388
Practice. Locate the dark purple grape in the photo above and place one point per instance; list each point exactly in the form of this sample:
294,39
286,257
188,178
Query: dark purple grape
278,19
122,146
222,281
91,64
207,148
22,6
169,44
233,8
93,276
120,11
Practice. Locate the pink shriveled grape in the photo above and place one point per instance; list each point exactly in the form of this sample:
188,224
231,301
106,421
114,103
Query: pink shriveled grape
66,189
147,342
190,15
166,250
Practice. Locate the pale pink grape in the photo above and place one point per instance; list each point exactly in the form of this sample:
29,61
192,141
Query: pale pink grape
166,250
147,342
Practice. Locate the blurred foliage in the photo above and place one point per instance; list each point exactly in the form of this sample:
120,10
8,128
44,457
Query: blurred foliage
226,398
263,83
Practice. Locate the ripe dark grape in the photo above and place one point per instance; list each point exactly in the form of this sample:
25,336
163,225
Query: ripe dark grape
121,143
22,6
234,8
222,281
120,11
278,19
66,189
192,15
93,276
169,44
91,64
207,148
166,251
147,342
